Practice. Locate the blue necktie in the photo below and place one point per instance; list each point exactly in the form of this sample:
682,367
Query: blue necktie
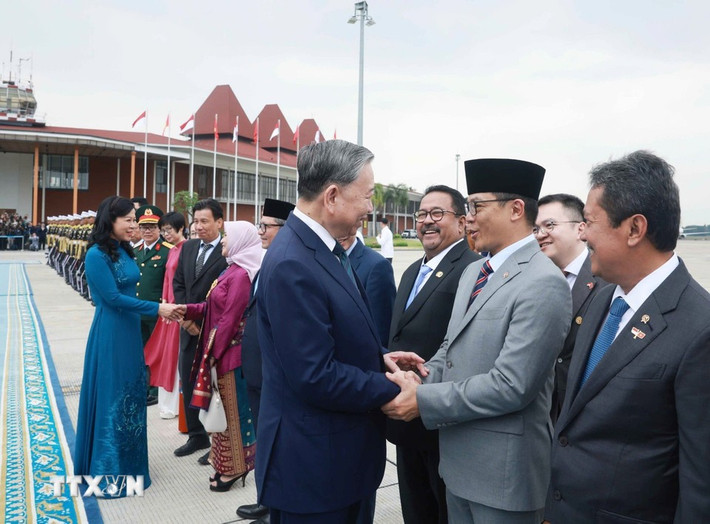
486,270
606,335
423,272
344,261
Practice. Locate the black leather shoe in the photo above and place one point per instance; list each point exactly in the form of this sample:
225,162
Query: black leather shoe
193,444
253,511
151,400
204,460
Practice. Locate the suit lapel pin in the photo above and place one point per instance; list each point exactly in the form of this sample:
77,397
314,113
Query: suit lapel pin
505,275
439,274
578,320
645,319
590,285
637,333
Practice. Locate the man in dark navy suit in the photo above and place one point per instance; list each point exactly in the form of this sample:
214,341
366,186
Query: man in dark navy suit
632,443
377,277
321,436
273,218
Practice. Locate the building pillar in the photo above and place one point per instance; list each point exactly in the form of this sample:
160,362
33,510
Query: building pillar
133,174
118,176
76,181
35,186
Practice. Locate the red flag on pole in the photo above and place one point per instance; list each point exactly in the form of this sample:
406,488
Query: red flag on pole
140,117
167,124
318,136
188,124
335,134
235,134
295,135
256,131
216,134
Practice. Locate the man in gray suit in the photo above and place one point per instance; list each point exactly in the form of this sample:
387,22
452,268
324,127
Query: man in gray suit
632,443
488,388
559,223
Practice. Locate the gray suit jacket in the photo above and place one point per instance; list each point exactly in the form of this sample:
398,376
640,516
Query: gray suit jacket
490,386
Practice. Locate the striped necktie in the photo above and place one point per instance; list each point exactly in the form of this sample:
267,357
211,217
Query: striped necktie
486,270
606,335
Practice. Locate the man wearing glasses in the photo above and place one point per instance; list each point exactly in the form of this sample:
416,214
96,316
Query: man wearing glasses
422,310
273,217
560,221
151,257
488,388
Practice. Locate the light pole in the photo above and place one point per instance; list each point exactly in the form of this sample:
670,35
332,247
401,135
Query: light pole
362,15
457,171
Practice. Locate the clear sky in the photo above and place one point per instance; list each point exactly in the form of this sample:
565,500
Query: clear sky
566,84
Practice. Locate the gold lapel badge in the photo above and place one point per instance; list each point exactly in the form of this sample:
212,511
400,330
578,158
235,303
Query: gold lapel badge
645,319
439,274
578,320
637,333
505,275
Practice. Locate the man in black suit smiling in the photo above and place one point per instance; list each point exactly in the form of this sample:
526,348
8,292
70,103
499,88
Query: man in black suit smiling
421,314
200,263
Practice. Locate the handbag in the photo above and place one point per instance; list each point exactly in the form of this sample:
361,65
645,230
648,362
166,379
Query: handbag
214,419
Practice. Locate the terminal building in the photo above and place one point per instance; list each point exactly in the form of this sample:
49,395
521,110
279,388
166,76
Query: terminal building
51,170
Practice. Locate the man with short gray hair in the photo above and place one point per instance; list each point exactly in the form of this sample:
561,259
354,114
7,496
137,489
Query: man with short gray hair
321,437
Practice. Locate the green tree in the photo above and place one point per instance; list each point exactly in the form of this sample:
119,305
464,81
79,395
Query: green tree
400,197
184,202
378,201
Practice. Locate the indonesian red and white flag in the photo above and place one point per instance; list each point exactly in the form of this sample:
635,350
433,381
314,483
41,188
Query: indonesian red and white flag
295,134
235,133
318,136
276,130
140,117
188,124
256,131
335,134
216,133
167,124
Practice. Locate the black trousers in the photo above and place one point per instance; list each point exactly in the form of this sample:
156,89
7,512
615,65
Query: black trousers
188,345
422,492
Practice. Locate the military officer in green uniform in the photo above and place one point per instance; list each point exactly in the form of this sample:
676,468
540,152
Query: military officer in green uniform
151,257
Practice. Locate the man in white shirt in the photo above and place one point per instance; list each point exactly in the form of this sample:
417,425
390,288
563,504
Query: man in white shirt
385,240
559,223
632,441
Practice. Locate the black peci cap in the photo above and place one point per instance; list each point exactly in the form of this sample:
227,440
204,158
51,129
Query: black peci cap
277,208
504,175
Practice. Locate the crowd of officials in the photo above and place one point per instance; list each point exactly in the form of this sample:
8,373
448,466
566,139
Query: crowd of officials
545,360
17,232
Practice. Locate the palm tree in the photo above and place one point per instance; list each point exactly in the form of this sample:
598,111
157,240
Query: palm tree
400,197
378,200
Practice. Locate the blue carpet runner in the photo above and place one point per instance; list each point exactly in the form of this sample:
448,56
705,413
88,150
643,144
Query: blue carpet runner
33,417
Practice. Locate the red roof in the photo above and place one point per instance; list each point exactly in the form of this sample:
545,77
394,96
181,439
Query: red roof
221,101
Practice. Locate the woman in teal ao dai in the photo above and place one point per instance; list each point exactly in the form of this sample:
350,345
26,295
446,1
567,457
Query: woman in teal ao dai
111,437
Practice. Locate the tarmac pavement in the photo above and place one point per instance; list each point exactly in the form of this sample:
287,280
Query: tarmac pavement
180,490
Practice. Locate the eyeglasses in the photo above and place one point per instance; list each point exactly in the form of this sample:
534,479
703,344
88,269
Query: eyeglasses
167,231
472,205
549,226
436,214
263,227
146,227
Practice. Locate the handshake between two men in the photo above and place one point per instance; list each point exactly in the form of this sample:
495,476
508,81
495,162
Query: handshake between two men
406,369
